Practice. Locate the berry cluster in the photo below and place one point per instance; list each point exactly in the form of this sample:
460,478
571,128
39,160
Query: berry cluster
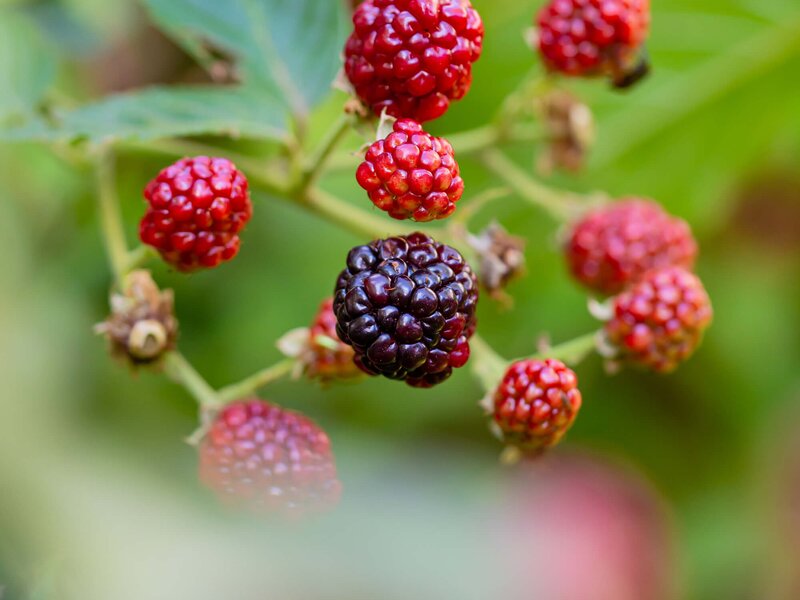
407,306
412,57
411,174
262,458
197,207
613,246
659,322
536,403
593,37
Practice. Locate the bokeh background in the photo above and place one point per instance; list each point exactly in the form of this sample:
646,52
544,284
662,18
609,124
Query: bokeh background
685,486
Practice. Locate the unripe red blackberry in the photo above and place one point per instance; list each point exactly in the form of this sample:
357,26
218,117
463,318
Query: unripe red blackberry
262,458
328,357
604,516
411,175
659,322
536,403
412,57
615,245
197,207
594,37
407,306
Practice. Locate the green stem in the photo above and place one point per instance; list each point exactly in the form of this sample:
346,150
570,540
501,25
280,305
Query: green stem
487,365
182,372
138,257
573,351
562,206
488,136
317,161
469,209
251,384
111,218
346,215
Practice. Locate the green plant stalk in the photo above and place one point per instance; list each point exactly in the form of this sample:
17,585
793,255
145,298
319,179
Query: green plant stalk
487,365
139,256
183,373
317,162
571,352
561,206
111,218
253,383
487,136
465,142
345,215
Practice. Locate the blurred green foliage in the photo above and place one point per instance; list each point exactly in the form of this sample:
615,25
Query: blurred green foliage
99,497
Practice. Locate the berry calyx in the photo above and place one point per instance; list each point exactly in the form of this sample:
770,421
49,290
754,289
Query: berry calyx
197,208
142,325
594,37
262,458
411,174
659,322
413,57
615,245
536,403
406,305
501,258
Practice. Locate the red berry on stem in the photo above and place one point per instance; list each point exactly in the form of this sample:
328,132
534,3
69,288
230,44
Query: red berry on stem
536,403
412,57
331,360
615,245
411,175
593,37
659,322
197,208
262,458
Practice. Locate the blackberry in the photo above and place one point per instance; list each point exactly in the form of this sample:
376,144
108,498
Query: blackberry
411,174
196,209
595,37
615,245
407,306
412,57
536,403
659,322
264,459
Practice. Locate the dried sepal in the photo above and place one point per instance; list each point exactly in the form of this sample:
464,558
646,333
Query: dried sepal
501,258
570,131
142,324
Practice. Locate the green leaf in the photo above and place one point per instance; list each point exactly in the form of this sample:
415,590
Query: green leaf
163,112
291,48
27,67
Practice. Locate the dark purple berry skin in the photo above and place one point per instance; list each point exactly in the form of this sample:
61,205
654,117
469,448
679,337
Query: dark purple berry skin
407,306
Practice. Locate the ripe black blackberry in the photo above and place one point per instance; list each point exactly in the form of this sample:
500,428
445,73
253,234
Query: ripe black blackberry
406,305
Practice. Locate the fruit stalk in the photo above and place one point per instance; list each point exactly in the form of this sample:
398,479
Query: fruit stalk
111,218
254,382
560,205
573,351
183,373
